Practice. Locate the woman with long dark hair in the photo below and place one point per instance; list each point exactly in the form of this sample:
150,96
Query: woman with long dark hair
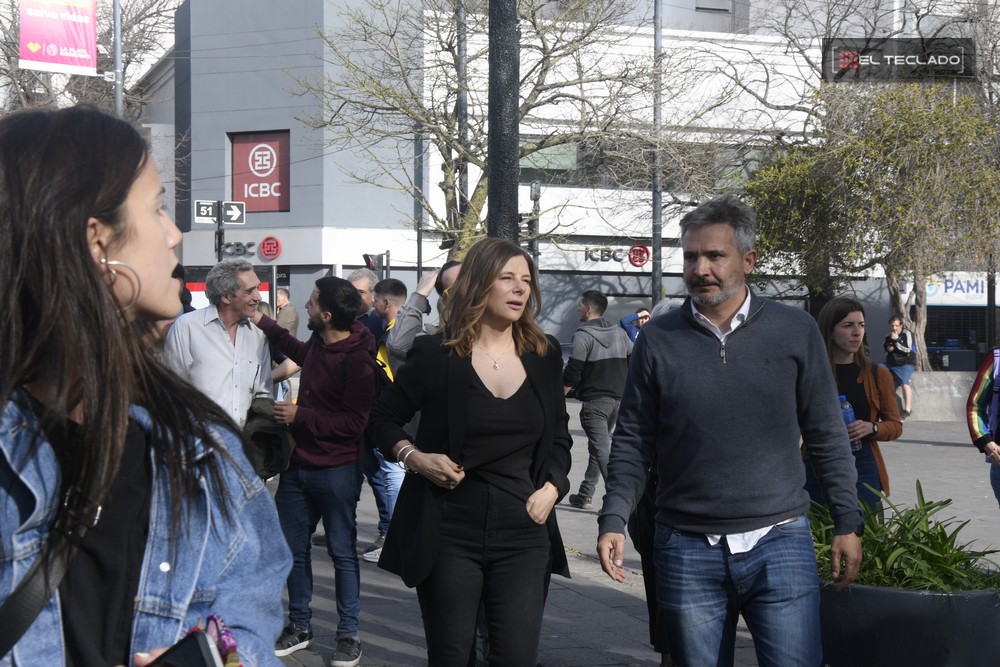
474,519
110,466
868,388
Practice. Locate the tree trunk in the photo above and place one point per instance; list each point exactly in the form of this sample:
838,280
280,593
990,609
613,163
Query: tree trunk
918,325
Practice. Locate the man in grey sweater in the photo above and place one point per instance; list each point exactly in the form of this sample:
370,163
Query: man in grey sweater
596,370
719,393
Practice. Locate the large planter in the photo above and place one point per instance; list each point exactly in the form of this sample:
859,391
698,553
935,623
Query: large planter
886,627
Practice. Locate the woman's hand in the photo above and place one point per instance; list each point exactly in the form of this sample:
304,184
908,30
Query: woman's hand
541,502
143,659
438,468
859,430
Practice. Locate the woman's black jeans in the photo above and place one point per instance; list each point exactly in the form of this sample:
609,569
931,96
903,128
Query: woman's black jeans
489,549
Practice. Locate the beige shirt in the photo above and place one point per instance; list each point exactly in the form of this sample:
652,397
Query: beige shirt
199,349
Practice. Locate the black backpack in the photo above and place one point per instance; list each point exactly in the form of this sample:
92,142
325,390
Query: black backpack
381,382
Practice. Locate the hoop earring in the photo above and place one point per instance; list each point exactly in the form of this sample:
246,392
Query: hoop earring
111,264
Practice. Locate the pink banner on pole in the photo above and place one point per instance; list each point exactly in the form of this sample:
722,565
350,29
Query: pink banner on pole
59,36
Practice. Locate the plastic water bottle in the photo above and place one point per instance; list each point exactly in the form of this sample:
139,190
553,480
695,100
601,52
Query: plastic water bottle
847,410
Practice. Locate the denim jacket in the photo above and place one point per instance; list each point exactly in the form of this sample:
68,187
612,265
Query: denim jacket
233,567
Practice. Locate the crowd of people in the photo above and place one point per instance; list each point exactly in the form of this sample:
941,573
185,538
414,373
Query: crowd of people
125,486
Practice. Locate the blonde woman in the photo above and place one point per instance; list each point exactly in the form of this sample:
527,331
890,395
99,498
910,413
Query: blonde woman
474,518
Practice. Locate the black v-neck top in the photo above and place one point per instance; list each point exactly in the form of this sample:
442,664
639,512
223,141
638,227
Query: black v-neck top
501,437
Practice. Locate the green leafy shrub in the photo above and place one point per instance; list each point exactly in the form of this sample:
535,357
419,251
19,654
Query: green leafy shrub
908,547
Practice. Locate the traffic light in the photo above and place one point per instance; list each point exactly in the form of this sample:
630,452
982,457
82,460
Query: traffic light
527,234
378,263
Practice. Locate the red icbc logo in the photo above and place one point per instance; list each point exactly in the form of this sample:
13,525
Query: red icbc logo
269,248
638,255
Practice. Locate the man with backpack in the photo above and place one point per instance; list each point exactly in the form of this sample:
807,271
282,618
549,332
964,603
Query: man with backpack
323,480
385,477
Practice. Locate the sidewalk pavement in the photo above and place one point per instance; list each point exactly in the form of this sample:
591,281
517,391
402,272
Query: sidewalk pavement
591,620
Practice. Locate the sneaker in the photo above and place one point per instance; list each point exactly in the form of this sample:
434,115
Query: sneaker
375,546
292,639
906,413
319,539
372,556
348,653
580,502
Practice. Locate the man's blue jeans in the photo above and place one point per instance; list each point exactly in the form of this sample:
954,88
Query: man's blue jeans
385,478
703,589
597,417
304,496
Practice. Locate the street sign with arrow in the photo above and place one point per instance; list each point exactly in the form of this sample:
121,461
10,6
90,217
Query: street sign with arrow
234,212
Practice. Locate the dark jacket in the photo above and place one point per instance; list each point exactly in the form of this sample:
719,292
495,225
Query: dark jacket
334,399
900,352
598,363
267,443
436,382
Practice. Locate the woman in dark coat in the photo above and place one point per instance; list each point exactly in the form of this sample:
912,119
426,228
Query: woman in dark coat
474,519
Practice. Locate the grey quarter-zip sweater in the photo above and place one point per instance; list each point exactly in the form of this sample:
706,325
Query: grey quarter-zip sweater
723,421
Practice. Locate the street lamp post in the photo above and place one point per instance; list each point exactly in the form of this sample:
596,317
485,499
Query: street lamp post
503,139
119,92
657,236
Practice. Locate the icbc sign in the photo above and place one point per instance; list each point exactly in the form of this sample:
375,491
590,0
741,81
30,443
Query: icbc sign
260,170
638,255
604,254
270,248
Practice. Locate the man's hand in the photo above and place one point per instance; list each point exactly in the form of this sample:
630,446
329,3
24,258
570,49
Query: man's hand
611,551
846,548
541,502
284,412
426,284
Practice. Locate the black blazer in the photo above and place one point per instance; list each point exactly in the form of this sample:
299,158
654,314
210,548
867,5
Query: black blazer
436,382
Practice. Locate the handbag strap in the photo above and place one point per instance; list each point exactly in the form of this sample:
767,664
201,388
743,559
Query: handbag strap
24,605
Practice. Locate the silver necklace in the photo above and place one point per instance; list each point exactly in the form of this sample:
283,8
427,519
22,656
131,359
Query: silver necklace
496,360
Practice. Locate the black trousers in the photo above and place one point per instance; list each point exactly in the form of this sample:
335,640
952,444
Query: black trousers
491,551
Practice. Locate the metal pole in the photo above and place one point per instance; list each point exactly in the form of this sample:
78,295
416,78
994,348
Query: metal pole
462,110
119,83
503,120
273,292
536,211
418,190
991,306
220,233
657,240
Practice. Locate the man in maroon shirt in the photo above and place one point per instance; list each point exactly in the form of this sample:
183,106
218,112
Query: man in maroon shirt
323,480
